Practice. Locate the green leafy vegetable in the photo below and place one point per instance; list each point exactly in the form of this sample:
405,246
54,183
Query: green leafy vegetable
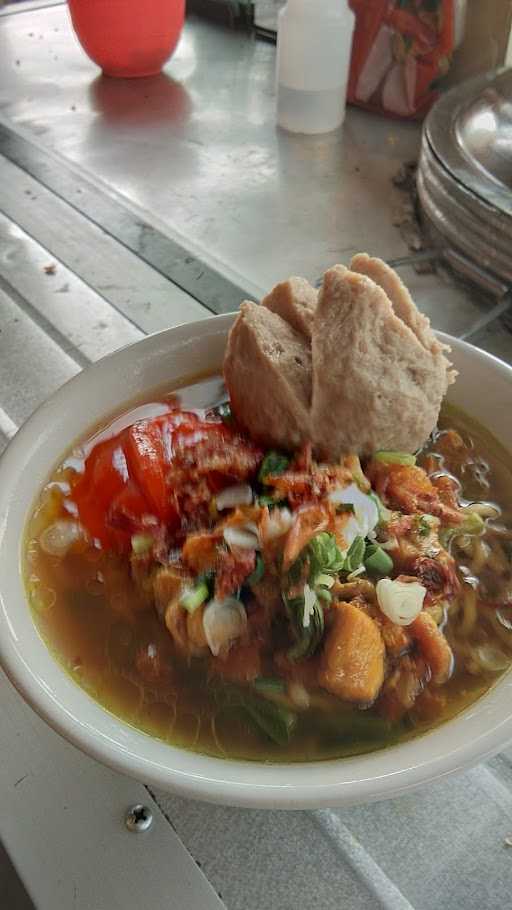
321,561
273,463
194,597
307,637
271,718
269,684
276,721
424,526
266,500
258,573
325,557
377,561
395,458
355,555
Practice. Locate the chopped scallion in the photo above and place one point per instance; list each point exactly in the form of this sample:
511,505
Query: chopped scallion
377,561
194,597
384,513
326,580
355,555
141,544
324,594
395,458
273,463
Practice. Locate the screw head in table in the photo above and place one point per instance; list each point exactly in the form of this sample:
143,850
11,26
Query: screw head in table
138,818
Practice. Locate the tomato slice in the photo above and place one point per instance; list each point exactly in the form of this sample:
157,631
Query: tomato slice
147,464
127,509
104,476
190,434
125,477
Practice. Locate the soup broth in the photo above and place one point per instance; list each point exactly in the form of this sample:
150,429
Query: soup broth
104,630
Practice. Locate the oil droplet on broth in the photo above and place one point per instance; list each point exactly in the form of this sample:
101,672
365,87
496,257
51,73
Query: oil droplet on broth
42,598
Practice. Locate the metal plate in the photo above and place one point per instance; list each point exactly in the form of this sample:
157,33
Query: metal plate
465,176
480,231
470,131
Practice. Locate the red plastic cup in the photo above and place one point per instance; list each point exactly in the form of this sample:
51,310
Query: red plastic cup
128,37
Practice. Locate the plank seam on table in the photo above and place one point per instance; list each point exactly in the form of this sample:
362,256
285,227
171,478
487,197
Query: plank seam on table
168,257
169,820
492,784
95,183
367,869
91,255
79,275
64,343
75,310
84,281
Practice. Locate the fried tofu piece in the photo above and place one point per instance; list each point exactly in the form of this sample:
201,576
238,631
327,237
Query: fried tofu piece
295,300
376,385
267,369
352,664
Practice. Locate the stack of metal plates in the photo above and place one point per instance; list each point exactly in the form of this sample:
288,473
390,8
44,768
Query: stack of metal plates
465,178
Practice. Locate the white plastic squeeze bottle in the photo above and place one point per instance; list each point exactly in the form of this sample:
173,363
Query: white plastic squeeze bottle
314,40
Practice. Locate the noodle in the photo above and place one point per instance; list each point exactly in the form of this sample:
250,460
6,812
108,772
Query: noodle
480,555
503,634
497,560
469,612
213,726
484,509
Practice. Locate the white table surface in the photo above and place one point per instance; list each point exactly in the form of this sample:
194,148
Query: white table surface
62,813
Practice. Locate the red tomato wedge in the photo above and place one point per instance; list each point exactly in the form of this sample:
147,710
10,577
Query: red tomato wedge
129,485
147,464
104,477
128,509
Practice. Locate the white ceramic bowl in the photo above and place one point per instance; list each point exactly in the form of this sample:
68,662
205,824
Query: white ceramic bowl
484,390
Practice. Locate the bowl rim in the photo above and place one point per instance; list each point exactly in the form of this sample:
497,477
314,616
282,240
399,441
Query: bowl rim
70,711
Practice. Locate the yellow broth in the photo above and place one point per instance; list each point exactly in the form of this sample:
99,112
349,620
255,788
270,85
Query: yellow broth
94,621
